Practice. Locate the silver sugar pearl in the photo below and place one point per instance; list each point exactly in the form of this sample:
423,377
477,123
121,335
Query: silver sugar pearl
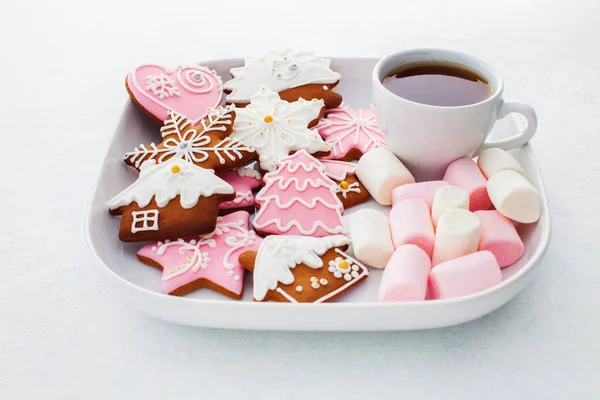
292,66
197,76
183,145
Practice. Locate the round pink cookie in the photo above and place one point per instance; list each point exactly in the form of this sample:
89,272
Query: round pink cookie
465,275
189,90
410,223
419,190
405,276
465,173
499,236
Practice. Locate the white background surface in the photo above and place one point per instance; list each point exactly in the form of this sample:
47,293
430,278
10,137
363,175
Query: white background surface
63,335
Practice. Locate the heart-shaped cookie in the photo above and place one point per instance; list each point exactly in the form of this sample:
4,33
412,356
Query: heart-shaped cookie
189,90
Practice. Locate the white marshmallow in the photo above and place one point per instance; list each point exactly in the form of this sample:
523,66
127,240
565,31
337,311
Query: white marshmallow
514,197
495,160
448,198
457,235
380,171
371,238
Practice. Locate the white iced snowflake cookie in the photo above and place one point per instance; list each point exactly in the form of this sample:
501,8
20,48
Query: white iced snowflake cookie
293,74
275,128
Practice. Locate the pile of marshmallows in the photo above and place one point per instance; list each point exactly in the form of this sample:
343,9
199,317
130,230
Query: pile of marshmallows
442,235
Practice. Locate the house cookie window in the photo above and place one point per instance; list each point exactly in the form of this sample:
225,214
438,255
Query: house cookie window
144,221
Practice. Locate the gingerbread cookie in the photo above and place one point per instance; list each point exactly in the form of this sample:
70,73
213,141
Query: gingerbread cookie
207,145
349,189
243,180
351,133
298,199
204,261
299,269
170,200
189,90
275,128
293,74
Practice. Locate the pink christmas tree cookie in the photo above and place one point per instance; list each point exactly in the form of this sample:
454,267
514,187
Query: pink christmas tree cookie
351,133
189,90
243,180
298,199
204,261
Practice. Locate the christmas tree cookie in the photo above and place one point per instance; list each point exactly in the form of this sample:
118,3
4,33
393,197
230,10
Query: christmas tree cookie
292,74
204,261
351,133
276,128
207,145
299,269
298,199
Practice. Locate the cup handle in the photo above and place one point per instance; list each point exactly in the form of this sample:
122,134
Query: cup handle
520,138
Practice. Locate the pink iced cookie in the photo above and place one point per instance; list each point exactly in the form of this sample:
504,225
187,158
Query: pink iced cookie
298,199
410,223
465,275
405,276
421,190
499,236
189,90
204,261
243,180
465,173
351,133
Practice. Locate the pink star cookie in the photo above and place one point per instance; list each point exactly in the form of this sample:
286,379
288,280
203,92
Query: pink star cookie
243,180
351,133
204,261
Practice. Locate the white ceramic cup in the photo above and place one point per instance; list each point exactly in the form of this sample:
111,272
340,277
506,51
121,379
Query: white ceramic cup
427,138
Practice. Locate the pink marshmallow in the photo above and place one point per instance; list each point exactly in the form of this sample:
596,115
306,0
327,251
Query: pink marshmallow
465,275
405,276
421,190
499,236
465,173
410,223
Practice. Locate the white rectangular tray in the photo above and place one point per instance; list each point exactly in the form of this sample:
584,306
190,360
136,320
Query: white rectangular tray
358,310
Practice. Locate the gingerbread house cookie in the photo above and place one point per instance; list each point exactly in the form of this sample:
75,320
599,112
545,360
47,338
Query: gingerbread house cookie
204,261
299,199
188,90
301,269
349,189
351,133
207,145
243,180
170,200
292,74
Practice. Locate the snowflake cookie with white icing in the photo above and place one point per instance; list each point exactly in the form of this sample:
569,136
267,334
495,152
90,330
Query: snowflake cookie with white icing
207,145
292,74
351,133
189,90
170,200
276,128
300,269
209,260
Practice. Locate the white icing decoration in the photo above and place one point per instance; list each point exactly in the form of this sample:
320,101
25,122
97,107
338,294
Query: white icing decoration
162,86
193,145
315,285
161,183
354,187
286,132
241,196
325,87
237,277
148,218
246,172
338,170
278,254
287,296
273,70
298,289
323,281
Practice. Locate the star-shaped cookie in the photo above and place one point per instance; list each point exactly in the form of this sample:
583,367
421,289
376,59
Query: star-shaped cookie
207,145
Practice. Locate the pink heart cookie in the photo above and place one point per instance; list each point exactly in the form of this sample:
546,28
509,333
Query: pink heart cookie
189,90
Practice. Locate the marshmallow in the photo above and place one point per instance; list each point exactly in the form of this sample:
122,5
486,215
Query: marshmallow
463,276
457,235
371,238
494,160
465,173
380,172
410,223
448,198
499,236
514,197
420,190
405,276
